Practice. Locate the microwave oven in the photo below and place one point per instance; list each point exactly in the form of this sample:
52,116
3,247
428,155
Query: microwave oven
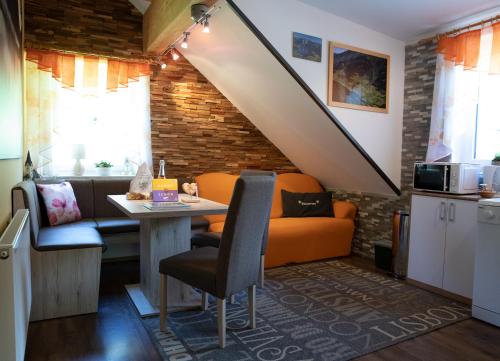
458,178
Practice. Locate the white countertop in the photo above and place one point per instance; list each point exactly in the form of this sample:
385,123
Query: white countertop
492,202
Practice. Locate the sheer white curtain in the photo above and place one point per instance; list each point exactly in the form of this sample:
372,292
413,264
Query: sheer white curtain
109,126
457,95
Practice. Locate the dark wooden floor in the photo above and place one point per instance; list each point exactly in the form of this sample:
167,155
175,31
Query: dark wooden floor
116,332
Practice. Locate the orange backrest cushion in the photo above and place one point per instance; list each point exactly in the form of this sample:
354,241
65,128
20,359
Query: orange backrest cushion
217,187
292,182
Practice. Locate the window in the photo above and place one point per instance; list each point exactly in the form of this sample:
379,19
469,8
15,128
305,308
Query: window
487,134
86,122
465,121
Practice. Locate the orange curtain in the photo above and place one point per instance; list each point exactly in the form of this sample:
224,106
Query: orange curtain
495,50
90,72
121,73
462,49
62,67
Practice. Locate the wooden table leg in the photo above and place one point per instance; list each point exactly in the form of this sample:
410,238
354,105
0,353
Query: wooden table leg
162,238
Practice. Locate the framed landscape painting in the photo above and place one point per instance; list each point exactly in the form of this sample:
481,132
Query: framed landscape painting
358,78
306,47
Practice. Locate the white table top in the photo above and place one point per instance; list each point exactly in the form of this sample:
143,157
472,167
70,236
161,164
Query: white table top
136,209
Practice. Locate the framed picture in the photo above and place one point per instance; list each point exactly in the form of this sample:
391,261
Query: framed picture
11,92
358,78
306,47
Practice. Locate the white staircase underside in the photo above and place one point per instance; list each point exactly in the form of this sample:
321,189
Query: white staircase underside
237,62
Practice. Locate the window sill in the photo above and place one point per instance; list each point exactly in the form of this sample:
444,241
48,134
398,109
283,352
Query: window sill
90,176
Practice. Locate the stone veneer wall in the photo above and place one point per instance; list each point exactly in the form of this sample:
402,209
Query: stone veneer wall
375,211
103,27
197,130
194,127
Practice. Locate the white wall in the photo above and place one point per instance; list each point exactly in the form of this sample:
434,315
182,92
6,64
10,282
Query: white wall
378,133
10,174
236,62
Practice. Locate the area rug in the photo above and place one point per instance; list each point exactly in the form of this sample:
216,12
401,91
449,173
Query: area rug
317,311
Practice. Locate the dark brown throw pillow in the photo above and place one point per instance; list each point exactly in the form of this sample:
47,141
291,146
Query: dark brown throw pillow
307,204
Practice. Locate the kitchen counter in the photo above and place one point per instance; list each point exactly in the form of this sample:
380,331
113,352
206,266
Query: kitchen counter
464,197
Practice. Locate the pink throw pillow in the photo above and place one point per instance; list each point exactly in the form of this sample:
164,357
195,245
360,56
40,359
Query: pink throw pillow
60,202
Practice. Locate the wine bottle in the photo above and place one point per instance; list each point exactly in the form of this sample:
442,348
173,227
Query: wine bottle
164,190
161,172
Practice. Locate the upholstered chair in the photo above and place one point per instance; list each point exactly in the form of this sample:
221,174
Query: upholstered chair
235,265
212,239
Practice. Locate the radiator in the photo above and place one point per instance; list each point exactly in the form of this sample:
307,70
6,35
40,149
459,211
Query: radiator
15,287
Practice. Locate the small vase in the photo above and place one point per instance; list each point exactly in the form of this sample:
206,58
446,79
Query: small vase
103,171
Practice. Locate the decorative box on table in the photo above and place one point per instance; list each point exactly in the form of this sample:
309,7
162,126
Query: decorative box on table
165,190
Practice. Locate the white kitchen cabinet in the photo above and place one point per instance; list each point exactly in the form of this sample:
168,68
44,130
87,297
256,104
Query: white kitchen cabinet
427,240
460,247
442,240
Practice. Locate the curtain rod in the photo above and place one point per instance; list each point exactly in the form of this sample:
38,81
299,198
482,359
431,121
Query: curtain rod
140,59
461,29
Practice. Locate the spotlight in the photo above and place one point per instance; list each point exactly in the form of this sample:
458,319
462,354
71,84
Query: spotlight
175,55
184,43
206,26
163,65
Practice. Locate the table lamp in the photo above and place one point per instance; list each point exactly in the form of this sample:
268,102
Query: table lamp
78,154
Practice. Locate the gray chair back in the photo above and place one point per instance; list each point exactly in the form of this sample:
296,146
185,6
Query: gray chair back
241,243
254,172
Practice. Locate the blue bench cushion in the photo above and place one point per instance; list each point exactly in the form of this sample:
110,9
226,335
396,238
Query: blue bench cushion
113,225
69,236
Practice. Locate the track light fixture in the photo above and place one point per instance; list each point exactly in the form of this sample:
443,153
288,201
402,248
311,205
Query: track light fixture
184,43
206,26
199,12
160,62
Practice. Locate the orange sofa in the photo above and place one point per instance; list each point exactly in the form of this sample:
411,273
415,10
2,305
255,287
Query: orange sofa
291,240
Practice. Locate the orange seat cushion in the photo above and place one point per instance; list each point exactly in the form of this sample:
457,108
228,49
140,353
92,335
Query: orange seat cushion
217,187
296,240
344,209
291,240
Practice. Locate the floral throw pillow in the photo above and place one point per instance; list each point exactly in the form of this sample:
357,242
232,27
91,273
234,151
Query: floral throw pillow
60,202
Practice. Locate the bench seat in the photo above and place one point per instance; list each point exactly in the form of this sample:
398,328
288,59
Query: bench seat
114,225
68,236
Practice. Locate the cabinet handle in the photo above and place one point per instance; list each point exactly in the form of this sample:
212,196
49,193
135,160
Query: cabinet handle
442,211
451,216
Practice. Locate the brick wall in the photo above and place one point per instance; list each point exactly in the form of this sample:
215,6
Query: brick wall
375,211
197,130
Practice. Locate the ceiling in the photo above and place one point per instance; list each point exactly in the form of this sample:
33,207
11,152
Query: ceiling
402,19
141,5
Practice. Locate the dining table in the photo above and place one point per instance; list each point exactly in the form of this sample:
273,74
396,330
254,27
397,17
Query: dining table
164,232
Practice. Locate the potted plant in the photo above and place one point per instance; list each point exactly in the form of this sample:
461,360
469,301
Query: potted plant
496,160
103,168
